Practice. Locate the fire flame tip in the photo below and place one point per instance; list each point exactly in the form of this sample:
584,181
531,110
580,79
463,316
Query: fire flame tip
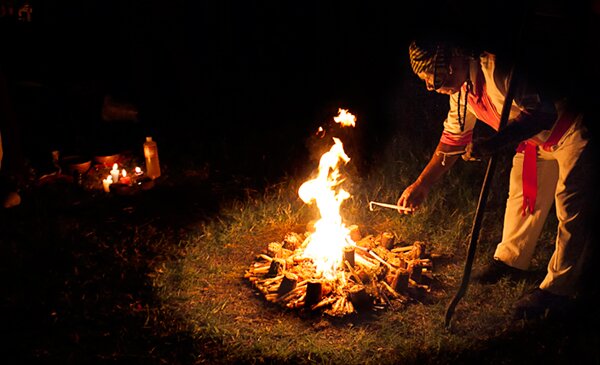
345,118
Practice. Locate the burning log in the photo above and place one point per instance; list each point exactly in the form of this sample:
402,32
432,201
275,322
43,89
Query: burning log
387,240
400,281
274,249
276,268
380,260
349,255
394,293
296,292
288,283
359,297
379,278
366,243
292,241
416,272
324,302
314,292
265,257
403,249
353,273
363,259
426,277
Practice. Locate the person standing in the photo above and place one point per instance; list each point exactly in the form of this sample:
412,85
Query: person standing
553,164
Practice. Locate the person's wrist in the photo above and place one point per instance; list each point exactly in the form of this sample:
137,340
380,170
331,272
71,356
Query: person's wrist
422,184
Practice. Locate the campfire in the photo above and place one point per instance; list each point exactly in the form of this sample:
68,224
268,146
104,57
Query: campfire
333,267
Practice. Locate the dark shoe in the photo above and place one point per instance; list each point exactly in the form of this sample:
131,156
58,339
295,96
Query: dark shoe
539,304
496,270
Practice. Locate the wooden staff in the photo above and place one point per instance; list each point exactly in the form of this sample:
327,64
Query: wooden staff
483,195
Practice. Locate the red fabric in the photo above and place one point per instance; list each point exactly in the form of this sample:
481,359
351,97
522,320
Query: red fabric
481,104
562,125
486,111
529,177
456,140
529,149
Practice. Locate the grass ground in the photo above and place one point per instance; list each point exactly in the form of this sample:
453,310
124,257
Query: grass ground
157,278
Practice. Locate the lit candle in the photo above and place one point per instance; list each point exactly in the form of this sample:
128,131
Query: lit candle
138,171
106,183
124,178
115,173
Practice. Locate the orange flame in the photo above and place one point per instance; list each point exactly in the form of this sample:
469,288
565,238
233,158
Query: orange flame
325,245
344,118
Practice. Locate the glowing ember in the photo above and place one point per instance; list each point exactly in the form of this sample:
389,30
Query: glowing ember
326,244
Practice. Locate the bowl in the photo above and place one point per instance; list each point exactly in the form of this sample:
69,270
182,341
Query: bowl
107,160
80,164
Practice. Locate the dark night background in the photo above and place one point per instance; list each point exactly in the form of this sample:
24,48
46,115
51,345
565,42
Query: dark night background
238,87
242,84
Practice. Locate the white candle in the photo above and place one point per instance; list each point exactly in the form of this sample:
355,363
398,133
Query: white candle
106,183
115,173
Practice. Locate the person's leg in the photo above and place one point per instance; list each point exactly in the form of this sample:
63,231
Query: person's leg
520,233
574,212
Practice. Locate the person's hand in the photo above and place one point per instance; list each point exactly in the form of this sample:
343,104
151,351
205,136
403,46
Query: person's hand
412,197
473,152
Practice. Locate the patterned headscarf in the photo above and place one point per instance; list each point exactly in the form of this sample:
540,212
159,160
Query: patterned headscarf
430,58
421,58
433,58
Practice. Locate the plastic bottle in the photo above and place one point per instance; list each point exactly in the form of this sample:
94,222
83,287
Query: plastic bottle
151,155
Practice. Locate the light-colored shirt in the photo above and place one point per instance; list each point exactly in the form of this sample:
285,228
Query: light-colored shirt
485,102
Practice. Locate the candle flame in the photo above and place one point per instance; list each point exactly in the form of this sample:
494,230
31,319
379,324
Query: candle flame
124,173
115,166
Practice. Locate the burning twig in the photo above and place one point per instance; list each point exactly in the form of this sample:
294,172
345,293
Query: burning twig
353,273
380,260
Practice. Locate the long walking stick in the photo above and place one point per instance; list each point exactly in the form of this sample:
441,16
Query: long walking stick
489,174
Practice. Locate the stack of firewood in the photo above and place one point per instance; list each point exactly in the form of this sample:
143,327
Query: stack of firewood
376,273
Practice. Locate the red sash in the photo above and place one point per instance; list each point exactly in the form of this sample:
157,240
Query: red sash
485,111
529,150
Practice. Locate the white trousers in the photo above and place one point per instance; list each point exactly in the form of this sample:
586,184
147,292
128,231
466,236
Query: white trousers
563,178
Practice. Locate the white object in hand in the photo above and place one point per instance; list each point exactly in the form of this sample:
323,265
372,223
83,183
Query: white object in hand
391,206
